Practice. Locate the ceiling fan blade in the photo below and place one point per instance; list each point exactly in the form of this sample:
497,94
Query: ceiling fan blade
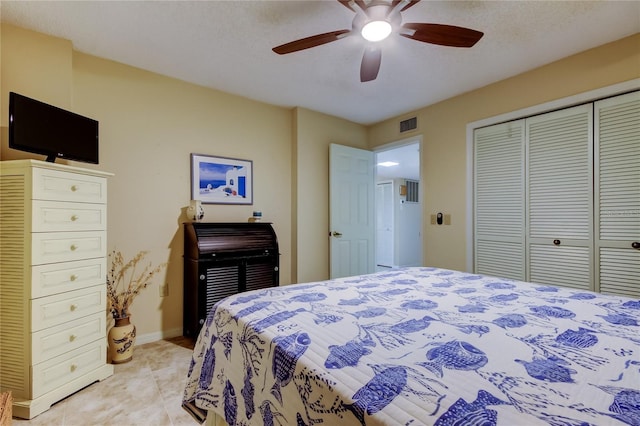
308,42
400,6
444,35
370,63
411,4
346,3
361,4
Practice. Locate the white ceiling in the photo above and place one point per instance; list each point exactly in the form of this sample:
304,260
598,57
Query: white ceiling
227,45
408,159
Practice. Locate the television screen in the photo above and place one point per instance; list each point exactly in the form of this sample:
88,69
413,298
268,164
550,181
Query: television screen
41,128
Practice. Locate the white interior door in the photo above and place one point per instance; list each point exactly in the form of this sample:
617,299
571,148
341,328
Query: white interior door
384,224
617,219
559,216
499,200
351,207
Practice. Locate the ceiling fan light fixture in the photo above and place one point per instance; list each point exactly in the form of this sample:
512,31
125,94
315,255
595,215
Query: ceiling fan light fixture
376,30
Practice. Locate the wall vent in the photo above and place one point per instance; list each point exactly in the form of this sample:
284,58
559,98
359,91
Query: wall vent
408,124
412,191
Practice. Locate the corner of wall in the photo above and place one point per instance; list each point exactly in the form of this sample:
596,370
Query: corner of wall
40,67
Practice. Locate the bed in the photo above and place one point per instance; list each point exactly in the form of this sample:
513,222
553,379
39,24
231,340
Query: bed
418,346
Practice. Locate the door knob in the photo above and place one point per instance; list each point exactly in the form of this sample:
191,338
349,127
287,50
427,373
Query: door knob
636,245
336,234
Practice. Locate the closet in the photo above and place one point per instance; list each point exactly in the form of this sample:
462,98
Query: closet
557,197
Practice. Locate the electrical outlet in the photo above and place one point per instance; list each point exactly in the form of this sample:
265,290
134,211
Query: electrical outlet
447,219
433,219
164,290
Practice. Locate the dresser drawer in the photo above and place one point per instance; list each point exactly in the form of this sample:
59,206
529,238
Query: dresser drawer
53,247
62,338
60,185
59,308
57,371
51,216
62,277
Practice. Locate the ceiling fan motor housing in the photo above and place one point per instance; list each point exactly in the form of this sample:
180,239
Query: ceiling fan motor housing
376,11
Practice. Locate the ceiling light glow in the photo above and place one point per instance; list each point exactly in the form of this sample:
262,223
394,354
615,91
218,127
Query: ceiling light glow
376,30
388,164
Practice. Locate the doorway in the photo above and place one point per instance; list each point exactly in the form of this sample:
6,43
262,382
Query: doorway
398,208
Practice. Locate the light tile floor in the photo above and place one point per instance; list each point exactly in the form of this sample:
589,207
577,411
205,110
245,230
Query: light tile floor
145,391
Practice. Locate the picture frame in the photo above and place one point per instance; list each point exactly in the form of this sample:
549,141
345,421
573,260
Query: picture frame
221,180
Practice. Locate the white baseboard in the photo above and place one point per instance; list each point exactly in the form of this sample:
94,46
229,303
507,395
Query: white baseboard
141,339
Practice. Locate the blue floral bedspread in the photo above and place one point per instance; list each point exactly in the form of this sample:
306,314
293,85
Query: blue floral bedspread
419,346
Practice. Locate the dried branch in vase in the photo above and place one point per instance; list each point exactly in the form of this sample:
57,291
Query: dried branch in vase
124,284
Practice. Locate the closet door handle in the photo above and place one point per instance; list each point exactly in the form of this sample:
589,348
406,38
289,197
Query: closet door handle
556,242
636,245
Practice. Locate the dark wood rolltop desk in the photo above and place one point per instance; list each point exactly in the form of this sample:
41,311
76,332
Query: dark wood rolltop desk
221,259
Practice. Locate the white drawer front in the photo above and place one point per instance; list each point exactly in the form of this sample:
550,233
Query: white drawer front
53,247
54,216
68,186
60,308
63,338
62,277
57,371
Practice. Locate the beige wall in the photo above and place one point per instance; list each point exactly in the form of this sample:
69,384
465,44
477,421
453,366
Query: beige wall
443,127
313,133
149,124
34,65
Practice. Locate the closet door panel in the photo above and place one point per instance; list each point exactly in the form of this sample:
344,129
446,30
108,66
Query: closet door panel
617,189
619,271
499,200
560,197
560,265
500,259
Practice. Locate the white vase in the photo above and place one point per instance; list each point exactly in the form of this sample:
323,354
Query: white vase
195,211
121,338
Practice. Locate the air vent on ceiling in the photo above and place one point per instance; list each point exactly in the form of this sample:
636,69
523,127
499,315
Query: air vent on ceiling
408,124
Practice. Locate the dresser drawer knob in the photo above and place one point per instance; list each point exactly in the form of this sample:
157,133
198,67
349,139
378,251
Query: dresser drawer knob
73,367
72,338
73,247
73,307
73,277
74,218
74,188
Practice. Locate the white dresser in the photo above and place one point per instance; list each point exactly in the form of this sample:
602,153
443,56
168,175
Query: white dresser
53,231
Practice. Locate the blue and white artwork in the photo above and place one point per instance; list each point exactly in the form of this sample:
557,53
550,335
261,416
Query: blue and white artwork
419,346
221,180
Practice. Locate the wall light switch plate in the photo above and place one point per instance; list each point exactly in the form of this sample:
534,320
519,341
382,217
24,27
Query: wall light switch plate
433,219
447,219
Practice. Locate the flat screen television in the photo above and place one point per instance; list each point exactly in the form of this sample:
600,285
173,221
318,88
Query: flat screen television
41,128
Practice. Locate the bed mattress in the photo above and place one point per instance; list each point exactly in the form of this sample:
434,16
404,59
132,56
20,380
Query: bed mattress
419,346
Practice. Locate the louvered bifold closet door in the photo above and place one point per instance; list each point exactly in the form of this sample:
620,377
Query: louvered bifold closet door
560,197
617,142
499,200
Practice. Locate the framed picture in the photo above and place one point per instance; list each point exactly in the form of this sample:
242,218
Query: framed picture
220,180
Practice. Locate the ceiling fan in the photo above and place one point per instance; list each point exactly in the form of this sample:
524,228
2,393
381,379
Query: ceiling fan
376,20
